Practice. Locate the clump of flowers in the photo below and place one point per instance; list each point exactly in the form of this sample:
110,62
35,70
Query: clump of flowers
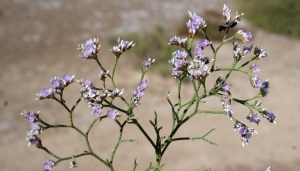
187,63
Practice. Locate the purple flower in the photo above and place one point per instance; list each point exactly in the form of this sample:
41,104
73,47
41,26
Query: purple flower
45,93
253,117
226,87
138,93
195,24
36,128
246,137
90,48
122,47
255,68
176,73
112,114
33,139
246,132
227,109
67,79
179,54
178,62
248,35
242,130
203,43
85,84
149,62
198,70
256,82
92,93
244,36
143,85
97,110
48,165
269,116
198,52
31,117
57,83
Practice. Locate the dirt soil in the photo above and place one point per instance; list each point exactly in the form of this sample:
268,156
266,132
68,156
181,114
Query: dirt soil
39,40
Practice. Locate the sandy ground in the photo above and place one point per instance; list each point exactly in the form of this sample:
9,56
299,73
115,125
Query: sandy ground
39,40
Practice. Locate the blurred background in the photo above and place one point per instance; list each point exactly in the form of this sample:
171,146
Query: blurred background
39,40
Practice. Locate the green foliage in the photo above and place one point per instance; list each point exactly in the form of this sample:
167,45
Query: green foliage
277,16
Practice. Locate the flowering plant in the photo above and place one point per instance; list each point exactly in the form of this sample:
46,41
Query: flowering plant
186,63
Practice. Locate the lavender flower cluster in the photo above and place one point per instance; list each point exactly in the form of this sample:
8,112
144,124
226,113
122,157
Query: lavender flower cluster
197,69
89,92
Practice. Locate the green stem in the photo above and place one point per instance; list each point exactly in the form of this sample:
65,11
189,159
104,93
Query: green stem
197,138
179,93
174,115
211,112
87,135
50,153
233,69
118,142
113,71
60,102
144,132
73,156
244,64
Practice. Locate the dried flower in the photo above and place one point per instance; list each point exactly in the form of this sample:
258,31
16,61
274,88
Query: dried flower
73,164
178,42
148,62
103,75
259,53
